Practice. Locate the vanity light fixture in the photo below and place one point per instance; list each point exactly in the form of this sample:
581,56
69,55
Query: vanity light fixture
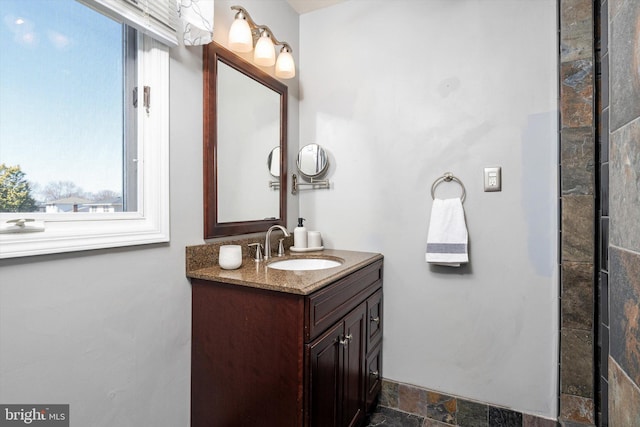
285,67
240,38
244,32
265,53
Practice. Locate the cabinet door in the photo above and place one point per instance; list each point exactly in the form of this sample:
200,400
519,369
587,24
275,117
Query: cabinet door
325,358
353,367
337,382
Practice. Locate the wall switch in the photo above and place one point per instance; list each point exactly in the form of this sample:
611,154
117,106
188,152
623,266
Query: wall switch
493,179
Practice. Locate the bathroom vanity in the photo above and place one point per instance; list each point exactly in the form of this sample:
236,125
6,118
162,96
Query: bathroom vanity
287,348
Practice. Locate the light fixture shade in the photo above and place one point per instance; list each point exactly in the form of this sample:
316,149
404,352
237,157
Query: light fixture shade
240,39
285,67
265,54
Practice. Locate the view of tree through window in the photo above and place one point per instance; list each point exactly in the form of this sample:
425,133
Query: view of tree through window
62,110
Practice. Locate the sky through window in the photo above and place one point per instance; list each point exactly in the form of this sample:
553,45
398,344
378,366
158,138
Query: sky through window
61,108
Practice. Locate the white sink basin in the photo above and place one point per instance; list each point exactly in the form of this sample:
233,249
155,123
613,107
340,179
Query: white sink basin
304,264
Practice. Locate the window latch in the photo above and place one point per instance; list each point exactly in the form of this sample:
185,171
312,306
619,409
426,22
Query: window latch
22,225
146,100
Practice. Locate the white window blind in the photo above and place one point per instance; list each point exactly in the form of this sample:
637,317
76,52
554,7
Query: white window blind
156,18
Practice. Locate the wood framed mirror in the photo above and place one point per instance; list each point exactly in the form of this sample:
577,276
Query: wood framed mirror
245,117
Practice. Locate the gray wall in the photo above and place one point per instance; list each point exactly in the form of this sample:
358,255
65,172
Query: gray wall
108,331
400,92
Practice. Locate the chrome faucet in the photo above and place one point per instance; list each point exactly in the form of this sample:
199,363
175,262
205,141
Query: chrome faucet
267,240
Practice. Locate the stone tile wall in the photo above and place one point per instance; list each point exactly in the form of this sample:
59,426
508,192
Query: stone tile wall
577,210
623,19
602,126
624,212
618,292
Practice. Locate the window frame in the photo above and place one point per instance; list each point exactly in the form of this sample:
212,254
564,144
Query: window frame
150,224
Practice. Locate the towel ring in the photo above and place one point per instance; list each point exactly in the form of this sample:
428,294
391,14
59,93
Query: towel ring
448,177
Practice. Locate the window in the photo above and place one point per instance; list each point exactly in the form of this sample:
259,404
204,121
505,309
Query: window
83,155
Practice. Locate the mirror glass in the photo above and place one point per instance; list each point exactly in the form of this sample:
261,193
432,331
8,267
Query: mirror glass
248,127
244,118
312,160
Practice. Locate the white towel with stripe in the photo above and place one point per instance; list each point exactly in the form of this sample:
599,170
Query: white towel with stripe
448,237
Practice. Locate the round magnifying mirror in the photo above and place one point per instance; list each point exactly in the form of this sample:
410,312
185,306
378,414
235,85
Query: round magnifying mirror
273,162
312,160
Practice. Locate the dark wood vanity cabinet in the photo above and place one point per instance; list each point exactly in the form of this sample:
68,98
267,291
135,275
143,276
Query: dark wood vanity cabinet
267,358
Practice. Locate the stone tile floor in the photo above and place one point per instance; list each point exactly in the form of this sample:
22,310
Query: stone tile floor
389,418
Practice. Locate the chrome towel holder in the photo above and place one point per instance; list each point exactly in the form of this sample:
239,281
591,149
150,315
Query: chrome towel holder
448,177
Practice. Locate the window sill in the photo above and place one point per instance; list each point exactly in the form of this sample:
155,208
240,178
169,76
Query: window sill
60,237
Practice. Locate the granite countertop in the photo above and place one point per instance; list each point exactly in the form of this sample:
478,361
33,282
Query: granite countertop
258,275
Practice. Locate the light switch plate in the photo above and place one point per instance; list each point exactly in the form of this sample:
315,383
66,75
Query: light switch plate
493,179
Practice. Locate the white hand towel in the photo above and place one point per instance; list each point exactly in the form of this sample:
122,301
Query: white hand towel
448,237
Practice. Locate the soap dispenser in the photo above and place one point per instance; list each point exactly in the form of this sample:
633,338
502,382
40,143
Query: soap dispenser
300,235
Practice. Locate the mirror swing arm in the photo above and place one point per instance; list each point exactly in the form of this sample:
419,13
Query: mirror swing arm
315,183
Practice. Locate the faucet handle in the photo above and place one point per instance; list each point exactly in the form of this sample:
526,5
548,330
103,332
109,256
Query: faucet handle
281,248
258,256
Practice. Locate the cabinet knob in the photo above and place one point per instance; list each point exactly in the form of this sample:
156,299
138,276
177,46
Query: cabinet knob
374,373
345,341
375,319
